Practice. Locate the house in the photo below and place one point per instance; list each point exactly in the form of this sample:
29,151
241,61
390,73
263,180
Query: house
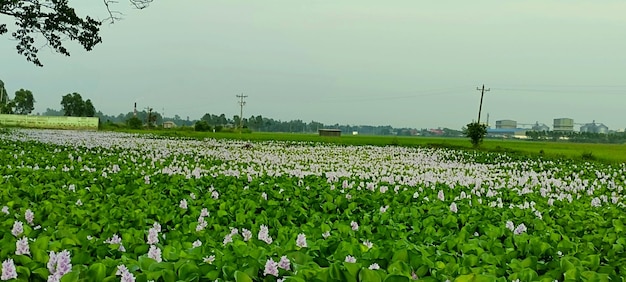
169,124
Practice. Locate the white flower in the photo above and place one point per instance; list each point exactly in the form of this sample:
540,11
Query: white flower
301,240
368,244
354,225
350,259
197,243
210,259
374,266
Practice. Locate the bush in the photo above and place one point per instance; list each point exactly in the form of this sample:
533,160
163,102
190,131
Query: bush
476,132
134,123
202,125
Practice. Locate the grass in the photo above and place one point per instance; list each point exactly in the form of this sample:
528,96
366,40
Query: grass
605,153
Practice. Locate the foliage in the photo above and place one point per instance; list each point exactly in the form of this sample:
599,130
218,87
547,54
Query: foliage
202,125
134,123
73,105
54,21
24,102
361,221
476,132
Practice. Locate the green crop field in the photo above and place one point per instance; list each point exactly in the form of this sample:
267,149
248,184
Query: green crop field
110,206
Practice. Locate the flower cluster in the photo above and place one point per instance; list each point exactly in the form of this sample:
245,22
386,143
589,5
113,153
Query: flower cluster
115,239
21,247
264,235
301,241
8,270
126,275
202,224
59,265
271,267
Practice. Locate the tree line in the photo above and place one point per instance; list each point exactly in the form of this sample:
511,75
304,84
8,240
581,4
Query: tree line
23,103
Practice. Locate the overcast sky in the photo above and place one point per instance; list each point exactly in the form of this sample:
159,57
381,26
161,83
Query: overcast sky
401,63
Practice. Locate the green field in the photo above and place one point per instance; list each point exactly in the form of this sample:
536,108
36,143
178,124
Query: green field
605,153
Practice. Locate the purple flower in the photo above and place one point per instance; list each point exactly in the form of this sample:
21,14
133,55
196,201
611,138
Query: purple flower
196,243
153,236
441,196
202,224
301,240
374,266
29,216
271,268
453,208
126,275
204,212
284,263
157,227
350,259
21,247
510,225
354,225
18,228
5,210
520,229
215,195
183,204
155,253
247,235
8,270
228,239
264,235
146,179
59,265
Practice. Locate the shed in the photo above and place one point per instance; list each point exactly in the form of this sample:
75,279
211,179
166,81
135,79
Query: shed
330,132
169,124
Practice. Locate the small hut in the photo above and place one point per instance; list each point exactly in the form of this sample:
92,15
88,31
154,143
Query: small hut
330,132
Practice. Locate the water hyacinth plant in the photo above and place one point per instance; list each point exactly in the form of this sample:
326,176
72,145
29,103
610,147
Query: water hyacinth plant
165,209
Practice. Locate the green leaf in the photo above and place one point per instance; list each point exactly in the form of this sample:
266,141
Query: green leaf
188,271
369,275
70,277
396,278
242,277
97,272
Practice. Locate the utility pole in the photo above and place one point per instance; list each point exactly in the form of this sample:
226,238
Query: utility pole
241,104
482,93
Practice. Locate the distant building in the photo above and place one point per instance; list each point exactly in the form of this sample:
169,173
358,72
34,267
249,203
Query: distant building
517,133
540,127
563,125
169,124
330,132
595,128
507,123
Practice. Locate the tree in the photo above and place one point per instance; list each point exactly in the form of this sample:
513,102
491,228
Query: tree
73,105
54,21
134,123
89,110
476,132
24,102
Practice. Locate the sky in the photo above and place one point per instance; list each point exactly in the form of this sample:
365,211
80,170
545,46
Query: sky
403,63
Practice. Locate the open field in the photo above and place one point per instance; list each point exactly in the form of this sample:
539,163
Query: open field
104,206
607,153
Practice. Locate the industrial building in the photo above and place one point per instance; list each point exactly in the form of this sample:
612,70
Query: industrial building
506,124
563,125
594,128
540,127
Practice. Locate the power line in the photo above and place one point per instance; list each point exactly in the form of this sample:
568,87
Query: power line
242,103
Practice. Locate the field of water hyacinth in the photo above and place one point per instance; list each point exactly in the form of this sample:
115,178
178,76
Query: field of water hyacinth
93,206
